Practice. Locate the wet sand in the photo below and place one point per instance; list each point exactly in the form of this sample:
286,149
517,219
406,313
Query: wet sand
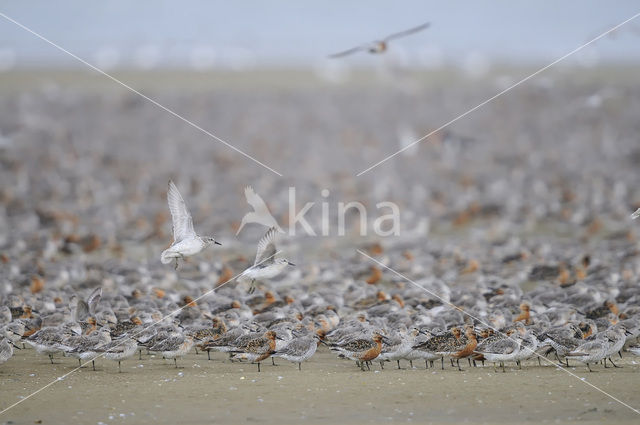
327,390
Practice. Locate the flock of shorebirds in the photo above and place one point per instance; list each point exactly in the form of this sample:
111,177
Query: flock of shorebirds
589,318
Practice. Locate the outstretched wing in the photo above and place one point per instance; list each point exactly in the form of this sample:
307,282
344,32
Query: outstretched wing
255,201
348,52
182,221
94,299
266,247
407,32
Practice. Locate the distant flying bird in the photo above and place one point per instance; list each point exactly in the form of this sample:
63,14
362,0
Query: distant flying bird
380,46
260,213
185,240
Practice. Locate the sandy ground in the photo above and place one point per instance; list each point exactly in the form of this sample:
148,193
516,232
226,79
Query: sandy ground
327,390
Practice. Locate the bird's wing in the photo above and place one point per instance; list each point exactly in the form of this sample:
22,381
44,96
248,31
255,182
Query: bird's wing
407,32
255,201
94,299
348,52
182,221
266,247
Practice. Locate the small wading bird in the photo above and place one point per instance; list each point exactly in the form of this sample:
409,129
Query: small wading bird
185,240
380,46
266,266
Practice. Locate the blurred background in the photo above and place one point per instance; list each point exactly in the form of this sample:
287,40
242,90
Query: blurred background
83,157
215,34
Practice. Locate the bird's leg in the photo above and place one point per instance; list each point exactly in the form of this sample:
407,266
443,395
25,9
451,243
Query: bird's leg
451,361
176,266
426,364
605,363
258,366
299,366
614,365
398,363
119,368
494,367
458,364
51,358
469,360
273,361
209,354
175,362
140,354
566,359
79,363
539,361
519,364
411,363
431,363
382,365
367,363
196,348
502,364
620,353
589,367
442,362
93,363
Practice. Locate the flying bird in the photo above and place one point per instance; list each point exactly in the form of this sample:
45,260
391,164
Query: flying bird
260,213
380,46
266,265
185,240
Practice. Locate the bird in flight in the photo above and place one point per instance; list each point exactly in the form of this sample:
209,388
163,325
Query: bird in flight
260,213
185,240
266,265
380,46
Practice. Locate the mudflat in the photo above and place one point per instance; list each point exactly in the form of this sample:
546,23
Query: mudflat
327,390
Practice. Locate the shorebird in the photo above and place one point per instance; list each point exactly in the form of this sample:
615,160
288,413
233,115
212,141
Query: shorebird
185,240
299,349
256,349
260,213
380,46
362,350
118,350
84,347
501,350
6,350
398,347
266,265
47,340
173,346
591,351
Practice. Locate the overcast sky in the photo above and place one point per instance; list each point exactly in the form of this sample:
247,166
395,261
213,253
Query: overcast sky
153,33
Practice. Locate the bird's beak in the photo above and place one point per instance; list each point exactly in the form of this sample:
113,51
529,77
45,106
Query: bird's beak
627,332
217,243
280,338
15,346
290,263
